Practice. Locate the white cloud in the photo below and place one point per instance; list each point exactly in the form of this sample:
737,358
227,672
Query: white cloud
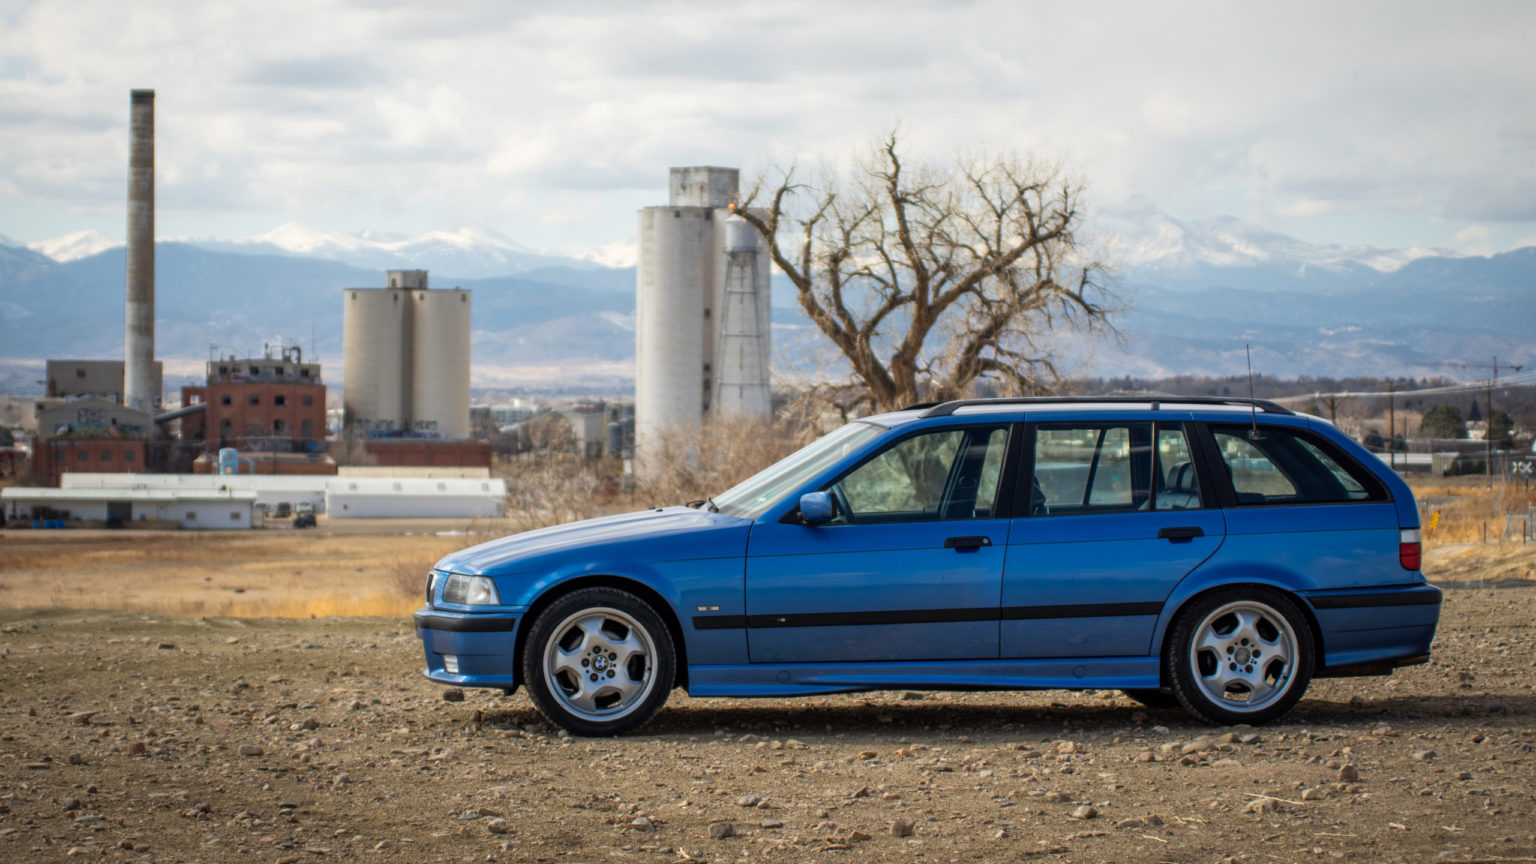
404,117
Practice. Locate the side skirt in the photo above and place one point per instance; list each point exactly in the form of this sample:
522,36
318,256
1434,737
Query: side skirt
807,679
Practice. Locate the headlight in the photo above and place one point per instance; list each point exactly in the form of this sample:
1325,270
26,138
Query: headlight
470,591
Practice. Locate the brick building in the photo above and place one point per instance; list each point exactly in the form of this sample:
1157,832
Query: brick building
92,434
268,404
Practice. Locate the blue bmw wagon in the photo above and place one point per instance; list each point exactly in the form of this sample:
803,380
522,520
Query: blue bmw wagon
1215,554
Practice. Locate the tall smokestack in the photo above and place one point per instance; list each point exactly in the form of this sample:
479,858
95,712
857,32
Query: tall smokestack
139,317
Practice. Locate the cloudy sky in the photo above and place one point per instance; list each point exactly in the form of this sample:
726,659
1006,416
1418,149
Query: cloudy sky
1390,123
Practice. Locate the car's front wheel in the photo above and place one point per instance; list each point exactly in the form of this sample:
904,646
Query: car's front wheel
599,661
1240,655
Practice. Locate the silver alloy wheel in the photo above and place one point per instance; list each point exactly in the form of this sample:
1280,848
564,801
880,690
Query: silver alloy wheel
600,663
1244,656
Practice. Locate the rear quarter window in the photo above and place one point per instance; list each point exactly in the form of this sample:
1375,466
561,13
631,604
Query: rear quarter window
1291,466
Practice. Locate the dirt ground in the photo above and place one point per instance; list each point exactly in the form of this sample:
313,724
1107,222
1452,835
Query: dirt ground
171,735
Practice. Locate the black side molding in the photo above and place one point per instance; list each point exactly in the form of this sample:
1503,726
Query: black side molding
1417,595
474,624
924,616
1080,610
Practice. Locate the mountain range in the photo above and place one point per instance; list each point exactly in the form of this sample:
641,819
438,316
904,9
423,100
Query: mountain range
1195,294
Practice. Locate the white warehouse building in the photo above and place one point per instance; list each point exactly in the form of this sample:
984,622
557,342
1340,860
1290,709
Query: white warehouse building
193,509
384,497
345,497
702,334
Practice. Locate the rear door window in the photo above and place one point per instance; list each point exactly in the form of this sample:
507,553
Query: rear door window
1289,466
1109,468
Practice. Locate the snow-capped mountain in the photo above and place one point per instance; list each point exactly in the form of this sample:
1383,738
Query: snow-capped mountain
1198,294
464,253
1145,240
77,244
1148,241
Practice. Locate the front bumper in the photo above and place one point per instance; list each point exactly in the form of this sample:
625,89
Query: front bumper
483,645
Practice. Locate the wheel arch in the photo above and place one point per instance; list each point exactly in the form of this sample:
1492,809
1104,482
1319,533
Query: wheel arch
1165,631
655,600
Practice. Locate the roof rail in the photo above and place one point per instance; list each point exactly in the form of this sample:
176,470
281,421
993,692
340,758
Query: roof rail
944,409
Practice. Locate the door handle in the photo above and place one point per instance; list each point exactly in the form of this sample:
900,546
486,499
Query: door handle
1174,535
967,542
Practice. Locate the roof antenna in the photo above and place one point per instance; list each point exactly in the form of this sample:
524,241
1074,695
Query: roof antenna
1253,434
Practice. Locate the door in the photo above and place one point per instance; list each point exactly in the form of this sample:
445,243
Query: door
909,568
1115,519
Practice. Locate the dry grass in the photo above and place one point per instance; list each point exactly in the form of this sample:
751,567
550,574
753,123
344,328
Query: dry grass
285,574
1466,511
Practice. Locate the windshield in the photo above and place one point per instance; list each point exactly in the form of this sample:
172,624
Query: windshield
751,497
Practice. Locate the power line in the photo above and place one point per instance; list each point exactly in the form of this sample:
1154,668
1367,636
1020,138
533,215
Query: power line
1522,379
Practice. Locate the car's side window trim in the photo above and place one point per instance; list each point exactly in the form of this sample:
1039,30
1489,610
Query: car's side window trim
1212,469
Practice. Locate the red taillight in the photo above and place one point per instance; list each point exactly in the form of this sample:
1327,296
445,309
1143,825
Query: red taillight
1410,548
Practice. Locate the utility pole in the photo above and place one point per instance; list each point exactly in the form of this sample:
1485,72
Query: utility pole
1492,380
1392,424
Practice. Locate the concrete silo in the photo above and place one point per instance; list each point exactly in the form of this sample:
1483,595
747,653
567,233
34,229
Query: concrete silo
741,355
681,347
440,362
377,353
407,351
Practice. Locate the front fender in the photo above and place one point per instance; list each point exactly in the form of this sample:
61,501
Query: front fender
703,586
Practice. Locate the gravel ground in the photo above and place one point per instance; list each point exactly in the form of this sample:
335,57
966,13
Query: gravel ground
137,738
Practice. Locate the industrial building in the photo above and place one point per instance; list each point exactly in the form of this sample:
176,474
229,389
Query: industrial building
407,359
89,434
400,497
222,510
266,403
702,333
72,378
272,493
351,497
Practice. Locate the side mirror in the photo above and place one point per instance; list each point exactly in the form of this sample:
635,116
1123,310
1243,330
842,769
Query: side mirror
816,508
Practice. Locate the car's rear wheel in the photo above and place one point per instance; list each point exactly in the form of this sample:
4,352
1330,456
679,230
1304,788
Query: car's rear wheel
1161,700
1240,655
599,661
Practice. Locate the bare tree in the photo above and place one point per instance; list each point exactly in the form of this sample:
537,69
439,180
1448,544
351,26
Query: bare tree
934,279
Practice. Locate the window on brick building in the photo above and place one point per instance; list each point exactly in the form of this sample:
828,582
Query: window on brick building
127,455
279,400
306,399
224,400
81,455
106,455
255,400
277,427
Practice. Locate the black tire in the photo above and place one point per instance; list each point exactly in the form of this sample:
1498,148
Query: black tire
1265,649
1159,700
599,661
